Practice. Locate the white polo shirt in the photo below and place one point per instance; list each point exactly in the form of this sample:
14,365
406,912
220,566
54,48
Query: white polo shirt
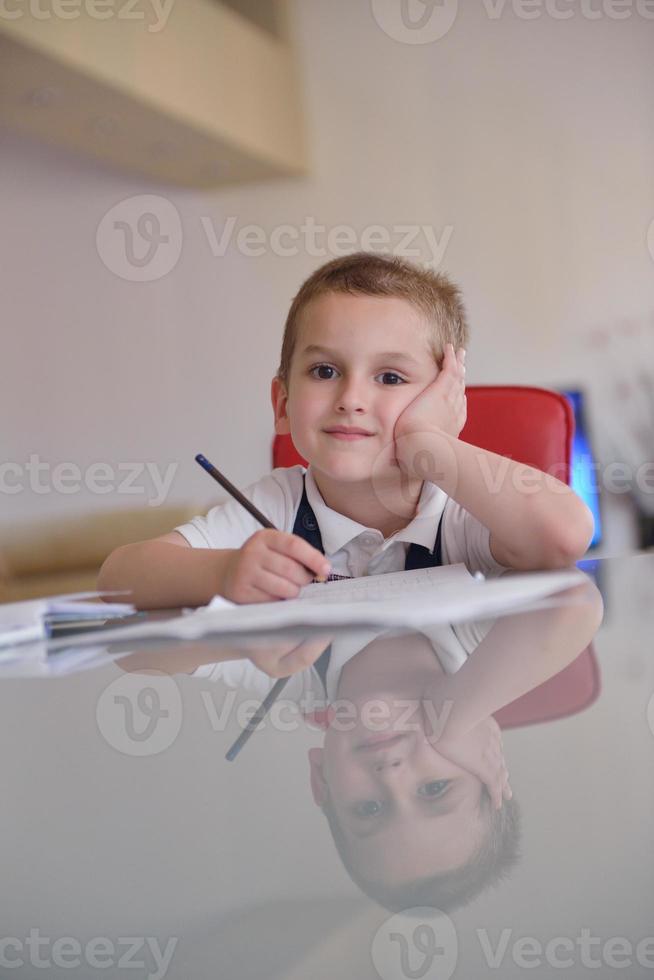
352,548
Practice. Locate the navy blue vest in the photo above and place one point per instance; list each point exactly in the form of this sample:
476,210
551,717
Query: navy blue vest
306,527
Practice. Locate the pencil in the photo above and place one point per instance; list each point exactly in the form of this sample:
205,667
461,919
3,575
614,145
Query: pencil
237,495
235,492
257,718
278,687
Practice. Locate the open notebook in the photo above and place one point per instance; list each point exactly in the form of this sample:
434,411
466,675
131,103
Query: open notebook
410,599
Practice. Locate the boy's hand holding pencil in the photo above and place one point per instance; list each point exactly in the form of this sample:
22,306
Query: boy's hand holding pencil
271,565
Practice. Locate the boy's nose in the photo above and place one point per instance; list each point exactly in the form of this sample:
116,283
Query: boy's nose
351,398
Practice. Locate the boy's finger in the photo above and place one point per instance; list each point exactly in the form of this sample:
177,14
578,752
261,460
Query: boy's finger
287,568
295,547
275,586
305,654
448,357
496,795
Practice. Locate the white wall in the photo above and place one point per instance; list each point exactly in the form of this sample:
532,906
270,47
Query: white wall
531,138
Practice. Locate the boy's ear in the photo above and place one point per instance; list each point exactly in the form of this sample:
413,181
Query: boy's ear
279,398
319,788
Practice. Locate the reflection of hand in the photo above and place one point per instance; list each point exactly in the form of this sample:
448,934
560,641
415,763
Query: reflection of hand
480,752
283,657
277,657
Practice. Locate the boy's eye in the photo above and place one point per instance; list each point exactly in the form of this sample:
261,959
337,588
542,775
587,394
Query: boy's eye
368,808
434,789
323,371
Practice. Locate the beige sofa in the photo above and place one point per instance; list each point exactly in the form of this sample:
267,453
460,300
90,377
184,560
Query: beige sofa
55,556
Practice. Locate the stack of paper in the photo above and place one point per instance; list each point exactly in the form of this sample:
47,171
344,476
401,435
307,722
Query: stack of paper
422,597
22,622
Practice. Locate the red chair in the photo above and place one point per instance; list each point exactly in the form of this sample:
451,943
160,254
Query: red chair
532,426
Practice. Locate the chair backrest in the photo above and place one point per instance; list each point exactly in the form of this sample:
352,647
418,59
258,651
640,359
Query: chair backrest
536,427
531,425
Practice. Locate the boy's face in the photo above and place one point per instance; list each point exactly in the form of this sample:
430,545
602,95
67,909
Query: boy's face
358,362
405,811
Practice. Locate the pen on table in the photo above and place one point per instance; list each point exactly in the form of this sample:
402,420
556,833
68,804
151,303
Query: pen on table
237,495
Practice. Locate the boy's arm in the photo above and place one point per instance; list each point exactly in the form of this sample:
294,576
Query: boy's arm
168,572
519,652
165,572
535,520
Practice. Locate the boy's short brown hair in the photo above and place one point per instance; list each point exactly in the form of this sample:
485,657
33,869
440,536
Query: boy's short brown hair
496,856
370,274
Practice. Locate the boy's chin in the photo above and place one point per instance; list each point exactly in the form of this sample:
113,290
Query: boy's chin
350,467
356,471
343,472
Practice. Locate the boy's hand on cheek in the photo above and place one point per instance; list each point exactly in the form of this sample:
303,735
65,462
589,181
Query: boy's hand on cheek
440,407
480,752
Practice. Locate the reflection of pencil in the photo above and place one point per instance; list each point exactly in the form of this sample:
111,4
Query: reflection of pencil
256,718
237,495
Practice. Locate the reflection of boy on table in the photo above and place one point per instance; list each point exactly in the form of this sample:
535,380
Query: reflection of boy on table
411,776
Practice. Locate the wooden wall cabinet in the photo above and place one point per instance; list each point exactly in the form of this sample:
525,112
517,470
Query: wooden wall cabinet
189,92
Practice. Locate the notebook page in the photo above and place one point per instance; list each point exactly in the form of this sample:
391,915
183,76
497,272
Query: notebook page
393,585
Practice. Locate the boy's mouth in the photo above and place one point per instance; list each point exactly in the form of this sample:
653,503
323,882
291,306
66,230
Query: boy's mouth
347,432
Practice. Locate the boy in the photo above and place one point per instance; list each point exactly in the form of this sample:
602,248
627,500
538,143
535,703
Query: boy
417,819
419,803
371,386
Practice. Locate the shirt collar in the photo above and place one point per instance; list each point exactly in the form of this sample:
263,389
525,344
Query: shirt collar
336,530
